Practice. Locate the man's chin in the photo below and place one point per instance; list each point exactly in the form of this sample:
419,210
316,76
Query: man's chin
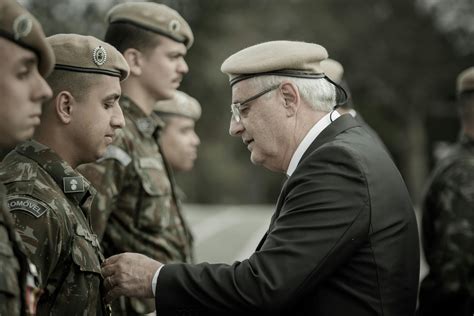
255,159
166,95
22,136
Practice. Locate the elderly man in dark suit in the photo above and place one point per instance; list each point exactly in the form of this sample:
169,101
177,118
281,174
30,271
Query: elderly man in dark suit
343,239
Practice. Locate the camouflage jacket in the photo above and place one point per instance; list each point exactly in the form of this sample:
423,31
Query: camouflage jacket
448,222
13,264
136,208
50,204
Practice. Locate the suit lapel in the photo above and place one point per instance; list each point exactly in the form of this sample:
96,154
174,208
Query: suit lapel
275,214
341,124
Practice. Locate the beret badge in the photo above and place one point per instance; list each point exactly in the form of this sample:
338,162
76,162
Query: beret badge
99,55
22,26
174,26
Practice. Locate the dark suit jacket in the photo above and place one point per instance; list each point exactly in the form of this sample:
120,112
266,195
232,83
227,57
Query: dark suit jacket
342,241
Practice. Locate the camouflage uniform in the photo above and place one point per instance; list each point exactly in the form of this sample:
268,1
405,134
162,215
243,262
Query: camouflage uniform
18,292
448,235
136,208
50,204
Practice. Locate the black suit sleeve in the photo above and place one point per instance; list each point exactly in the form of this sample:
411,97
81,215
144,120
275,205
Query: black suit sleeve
323,220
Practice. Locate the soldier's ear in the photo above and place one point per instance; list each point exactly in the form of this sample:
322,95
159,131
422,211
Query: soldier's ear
134,59
63,105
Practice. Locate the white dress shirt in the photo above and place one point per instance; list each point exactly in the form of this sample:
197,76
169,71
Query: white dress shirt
309,138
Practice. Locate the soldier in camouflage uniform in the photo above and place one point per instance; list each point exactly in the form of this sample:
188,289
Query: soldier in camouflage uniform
178,139
136,205
335,71
25,58
448,220
48,199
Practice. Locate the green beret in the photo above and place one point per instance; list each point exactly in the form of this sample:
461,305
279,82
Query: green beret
283,58
181,104
87,54
154,17
465,81
333,69
20,27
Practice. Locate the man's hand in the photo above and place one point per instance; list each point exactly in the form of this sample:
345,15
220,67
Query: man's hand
129,274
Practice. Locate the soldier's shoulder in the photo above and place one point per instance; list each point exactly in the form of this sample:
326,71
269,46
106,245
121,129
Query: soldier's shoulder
456,174
119,153
29,188
16,167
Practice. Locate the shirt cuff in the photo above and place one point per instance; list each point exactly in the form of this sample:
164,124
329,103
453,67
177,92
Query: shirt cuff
155,280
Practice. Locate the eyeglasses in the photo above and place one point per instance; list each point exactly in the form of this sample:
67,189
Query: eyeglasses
236,108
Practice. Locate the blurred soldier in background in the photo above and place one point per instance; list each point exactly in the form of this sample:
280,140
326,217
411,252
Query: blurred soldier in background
49,200
334,70
136,208
178,138
25,58
448,220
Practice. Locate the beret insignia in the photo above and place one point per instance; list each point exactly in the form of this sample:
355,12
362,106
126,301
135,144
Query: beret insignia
99,55
174,26
22,26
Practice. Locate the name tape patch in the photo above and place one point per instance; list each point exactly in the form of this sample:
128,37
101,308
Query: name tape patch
33,207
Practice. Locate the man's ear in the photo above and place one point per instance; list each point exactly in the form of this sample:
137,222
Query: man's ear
134,59
64,106
291,97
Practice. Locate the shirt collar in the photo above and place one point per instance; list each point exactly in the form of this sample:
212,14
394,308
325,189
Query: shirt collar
309,138
146,124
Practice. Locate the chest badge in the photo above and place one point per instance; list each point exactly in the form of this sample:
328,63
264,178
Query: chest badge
73,184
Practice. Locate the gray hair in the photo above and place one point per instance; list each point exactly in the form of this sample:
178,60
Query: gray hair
319,93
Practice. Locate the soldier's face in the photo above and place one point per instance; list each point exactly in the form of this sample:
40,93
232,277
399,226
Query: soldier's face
22,91
96,117
163,68
180,142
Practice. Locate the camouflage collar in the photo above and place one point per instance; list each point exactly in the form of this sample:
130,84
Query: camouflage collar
74,185
147,125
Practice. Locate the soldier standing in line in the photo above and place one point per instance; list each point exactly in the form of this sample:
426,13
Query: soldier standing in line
335,71
136,206
25,59
448,220
178,139
48,199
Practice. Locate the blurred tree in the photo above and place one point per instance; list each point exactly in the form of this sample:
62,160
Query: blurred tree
401,58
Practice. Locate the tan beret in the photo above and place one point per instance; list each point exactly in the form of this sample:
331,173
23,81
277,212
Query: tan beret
20,27
333,69
284,58
465,81
154,17
87,54
181,104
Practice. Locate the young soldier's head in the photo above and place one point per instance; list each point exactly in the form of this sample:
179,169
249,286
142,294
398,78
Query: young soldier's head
80,120
154,40
178,139
25,59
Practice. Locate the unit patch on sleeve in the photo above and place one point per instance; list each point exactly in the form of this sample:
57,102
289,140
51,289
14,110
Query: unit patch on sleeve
26,204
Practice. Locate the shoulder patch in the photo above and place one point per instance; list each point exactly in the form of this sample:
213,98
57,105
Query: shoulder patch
151,162
117,153
26,204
